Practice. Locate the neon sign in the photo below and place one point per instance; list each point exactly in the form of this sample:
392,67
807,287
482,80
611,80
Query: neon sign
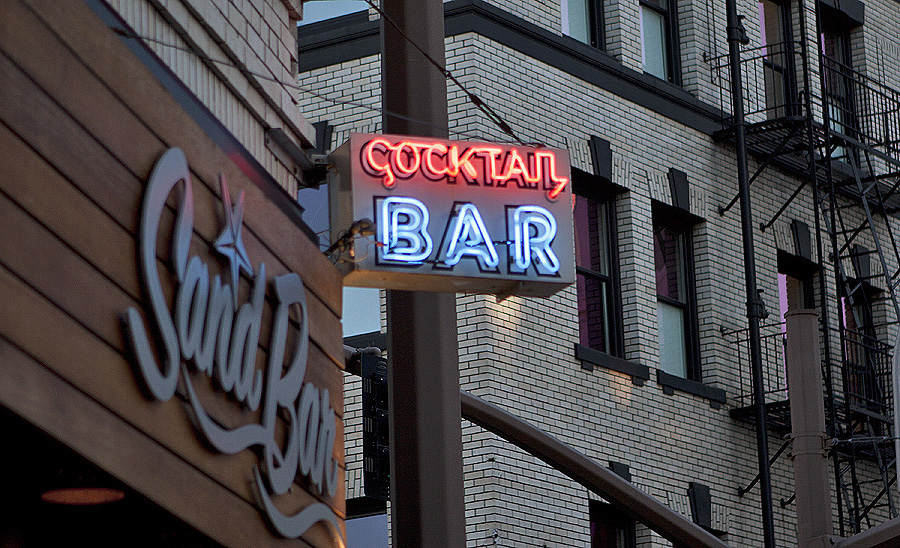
473,164
455,216
407,241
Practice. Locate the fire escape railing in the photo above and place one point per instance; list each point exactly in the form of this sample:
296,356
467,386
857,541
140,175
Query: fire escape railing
862,108
859,106
866,374
864,370
771,89
802,111
772,346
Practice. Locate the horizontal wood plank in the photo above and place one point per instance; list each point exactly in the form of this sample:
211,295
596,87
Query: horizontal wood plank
106,245
83,123
104,438
53,338
103,53
70,149
82,292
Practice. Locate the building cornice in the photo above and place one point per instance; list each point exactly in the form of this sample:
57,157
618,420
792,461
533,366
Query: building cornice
354,36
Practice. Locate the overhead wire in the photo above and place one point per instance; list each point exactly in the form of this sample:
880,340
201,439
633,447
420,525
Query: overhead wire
486,109
479,103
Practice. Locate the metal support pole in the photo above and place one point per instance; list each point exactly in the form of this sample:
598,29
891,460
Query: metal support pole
895,389
809,451
754,303
427,506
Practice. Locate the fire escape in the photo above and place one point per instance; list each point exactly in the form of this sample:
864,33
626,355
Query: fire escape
836,131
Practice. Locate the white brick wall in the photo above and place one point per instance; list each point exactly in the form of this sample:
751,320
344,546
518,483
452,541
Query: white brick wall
238,57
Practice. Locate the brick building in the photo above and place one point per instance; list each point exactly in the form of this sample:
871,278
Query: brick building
644,363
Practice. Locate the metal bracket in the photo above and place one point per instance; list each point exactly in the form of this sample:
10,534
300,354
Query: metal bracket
310,171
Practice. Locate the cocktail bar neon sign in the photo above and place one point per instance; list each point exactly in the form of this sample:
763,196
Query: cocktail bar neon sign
436,161
492,218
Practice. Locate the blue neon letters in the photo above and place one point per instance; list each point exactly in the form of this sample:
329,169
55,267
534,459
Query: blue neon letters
532,246
403,237
467,235
403,230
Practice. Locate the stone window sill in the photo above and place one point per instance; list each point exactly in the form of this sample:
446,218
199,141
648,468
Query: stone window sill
590,357
670,383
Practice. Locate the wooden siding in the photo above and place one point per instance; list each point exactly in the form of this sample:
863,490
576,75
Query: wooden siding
82,123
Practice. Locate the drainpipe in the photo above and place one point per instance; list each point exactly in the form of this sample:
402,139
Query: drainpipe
736,36
809,449
895,378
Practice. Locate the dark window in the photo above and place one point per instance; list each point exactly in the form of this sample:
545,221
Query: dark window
865,357
839,81
610,528
583,20
658,39
795,291
795,283
777,56
596,280
675,298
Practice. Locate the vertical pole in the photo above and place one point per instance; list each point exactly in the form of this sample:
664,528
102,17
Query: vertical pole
427,506
754,303
895,389
824,304
804,372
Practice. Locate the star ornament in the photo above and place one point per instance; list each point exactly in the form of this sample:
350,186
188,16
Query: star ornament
230,242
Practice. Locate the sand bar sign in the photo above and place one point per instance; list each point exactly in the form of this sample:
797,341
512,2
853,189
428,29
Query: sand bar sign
209,333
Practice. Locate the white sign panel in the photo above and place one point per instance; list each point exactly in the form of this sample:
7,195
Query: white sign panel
454,216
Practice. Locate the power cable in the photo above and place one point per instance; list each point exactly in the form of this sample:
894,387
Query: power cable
486,109
314,93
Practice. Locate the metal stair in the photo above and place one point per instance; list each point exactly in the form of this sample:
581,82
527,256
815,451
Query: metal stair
852,165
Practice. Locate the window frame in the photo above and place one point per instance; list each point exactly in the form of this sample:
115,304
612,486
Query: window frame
859,354
804,271
605,514
596,24
668,217
606,199
839,81
780,62
669,12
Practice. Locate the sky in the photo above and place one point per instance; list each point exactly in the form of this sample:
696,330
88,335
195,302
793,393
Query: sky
326,9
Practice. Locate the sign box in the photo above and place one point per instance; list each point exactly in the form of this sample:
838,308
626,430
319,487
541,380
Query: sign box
456,216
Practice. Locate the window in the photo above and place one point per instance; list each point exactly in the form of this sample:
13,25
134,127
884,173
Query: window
657,38
610,528
674,298
777,59
795,291
583,21
596,280
796,275
839,79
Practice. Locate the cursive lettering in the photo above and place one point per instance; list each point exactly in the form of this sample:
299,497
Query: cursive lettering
209,332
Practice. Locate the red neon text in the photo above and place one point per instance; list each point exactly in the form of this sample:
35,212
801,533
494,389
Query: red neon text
484,165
